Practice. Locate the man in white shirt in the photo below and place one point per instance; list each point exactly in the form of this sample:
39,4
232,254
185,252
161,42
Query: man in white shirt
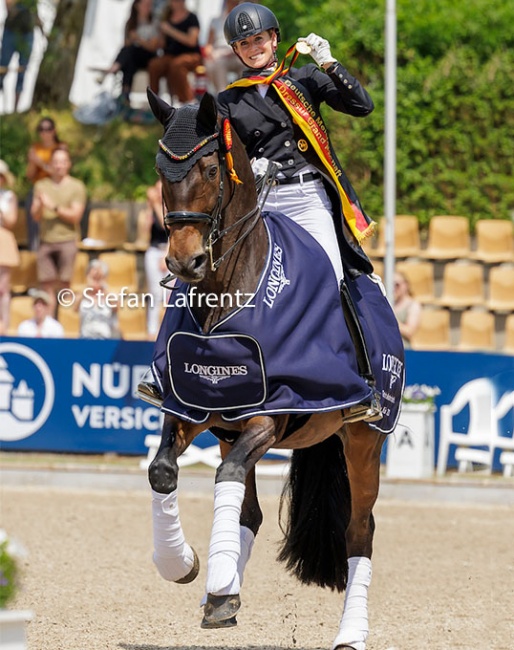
42,325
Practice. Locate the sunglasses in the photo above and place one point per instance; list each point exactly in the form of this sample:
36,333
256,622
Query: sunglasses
45,128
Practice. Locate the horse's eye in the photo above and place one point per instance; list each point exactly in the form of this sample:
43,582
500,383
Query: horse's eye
212,172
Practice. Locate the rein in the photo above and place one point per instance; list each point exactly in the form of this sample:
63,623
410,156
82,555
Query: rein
214,219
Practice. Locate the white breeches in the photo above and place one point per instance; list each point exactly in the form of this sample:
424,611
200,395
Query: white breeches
308,204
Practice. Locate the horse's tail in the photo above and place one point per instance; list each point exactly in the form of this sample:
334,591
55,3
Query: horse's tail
318,496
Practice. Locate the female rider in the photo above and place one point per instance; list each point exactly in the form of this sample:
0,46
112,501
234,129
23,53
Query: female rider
278,119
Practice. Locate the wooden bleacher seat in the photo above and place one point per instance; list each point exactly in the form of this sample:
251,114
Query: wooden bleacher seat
406,237
25,276
448,238
463,285
107,230
501,288
132,323
509,335
142,241
70,320
433,332
20,230
21,309
476,330
420,275
78,280
495,241
122,271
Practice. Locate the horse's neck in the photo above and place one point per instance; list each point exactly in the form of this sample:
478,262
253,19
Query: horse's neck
235,280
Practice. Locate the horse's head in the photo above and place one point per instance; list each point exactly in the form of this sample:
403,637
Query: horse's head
195,162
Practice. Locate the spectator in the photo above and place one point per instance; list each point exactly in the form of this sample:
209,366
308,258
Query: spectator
38,167
59,203
155,265
220,59
10,256
406,308
18,37
42,325
97,308
180,30
141,44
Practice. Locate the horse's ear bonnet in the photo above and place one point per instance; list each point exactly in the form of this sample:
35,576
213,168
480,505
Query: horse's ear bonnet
190,134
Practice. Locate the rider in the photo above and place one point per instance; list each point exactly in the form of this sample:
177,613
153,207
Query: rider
274,115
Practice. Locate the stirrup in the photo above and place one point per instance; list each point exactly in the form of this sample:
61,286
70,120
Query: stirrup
368,411
149,392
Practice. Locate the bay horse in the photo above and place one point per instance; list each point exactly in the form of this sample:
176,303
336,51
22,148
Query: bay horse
218,247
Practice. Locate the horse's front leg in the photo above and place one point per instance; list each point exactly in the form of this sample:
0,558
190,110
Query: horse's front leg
362,447
233,528
175,560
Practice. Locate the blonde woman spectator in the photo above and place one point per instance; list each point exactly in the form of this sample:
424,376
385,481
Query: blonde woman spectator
406,308
97,307
9,254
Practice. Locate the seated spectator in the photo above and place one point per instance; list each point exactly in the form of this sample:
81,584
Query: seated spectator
42,325
38,167
9,254
97,308
18,37
406,308
220,59
58,205
142,39
180,31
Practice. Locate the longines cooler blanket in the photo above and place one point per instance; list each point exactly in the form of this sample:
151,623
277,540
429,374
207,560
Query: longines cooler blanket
284,349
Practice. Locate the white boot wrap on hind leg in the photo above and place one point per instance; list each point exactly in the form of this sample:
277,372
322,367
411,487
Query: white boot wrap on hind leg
225,545
172,556
247,539
353,629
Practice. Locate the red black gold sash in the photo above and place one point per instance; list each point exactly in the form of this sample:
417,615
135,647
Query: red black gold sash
316,133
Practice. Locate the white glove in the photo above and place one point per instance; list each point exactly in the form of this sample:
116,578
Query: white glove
260,166
320,49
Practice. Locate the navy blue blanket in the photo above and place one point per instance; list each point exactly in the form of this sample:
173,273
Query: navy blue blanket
286,349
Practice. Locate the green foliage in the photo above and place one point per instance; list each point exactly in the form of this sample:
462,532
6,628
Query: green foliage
455,100
8,575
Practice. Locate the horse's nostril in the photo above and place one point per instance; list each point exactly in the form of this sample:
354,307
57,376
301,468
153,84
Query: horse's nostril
199,261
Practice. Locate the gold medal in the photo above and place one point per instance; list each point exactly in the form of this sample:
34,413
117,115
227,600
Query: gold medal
302,145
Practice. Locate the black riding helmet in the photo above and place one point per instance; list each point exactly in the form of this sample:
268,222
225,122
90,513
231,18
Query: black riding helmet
248,19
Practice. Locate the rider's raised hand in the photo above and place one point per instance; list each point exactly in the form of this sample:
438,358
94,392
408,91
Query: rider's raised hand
320,49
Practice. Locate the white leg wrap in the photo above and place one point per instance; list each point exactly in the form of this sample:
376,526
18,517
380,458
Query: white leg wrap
225,545
247,539
353,629
172,556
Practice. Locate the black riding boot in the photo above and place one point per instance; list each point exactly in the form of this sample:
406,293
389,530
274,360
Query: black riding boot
367,411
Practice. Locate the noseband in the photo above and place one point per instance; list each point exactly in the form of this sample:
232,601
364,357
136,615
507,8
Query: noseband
214,218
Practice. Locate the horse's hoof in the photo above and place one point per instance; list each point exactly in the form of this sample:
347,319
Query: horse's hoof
207,625
219,609
193,573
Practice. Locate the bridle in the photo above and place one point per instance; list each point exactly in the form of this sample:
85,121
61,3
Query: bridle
214,218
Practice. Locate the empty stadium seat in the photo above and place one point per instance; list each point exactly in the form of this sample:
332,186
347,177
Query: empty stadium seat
21,309
70,320
406,236
107,230
132,323
501,288
476,330
142,241
122,271
463,285
25,276
420,275
433,332
448,238
495,241
78,280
